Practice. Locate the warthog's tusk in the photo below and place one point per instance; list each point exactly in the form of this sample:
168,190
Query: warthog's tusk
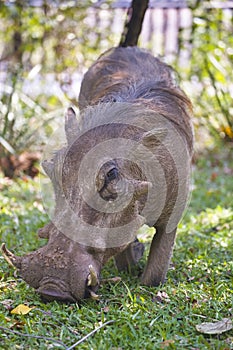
92,279
8,256
94,295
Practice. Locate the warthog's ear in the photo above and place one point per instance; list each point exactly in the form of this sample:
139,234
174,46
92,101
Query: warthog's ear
71,125
48,167
154,137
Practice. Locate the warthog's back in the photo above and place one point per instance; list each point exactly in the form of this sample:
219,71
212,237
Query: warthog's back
134,75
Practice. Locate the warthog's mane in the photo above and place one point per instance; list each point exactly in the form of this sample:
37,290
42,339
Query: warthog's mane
130,84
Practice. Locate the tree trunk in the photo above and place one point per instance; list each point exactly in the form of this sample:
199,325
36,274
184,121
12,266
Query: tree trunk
133,25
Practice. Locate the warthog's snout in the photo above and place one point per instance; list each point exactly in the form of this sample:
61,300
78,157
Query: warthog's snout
64,281
55,289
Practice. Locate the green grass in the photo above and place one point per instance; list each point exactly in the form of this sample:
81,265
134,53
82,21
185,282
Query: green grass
199,287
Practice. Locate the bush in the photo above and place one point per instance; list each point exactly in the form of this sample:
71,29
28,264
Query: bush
210,69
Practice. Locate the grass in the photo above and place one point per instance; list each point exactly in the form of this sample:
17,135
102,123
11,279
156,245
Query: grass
199,286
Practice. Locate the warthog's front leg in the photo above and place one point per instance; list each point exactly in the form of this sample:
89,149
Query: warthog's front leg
159,257
130,256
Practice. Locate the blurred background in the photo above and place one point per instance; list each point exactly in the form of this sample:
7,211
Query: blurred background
46,47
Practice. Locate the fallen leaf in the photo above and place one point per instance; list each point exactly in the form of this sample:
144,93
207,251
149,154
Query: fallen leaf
8,319
7,303
18,325
215,327
161,297
106,309
166,343
21,309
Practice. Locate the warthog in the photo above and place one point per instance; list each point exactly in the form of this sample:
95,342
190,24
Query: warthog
126,163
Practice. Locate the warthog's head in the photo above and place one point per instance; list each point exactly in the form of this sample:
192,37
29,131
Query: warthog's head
60,270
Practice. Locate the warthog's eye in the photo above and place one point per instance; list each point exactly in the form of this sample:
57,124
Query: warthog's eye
112,174
106,184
